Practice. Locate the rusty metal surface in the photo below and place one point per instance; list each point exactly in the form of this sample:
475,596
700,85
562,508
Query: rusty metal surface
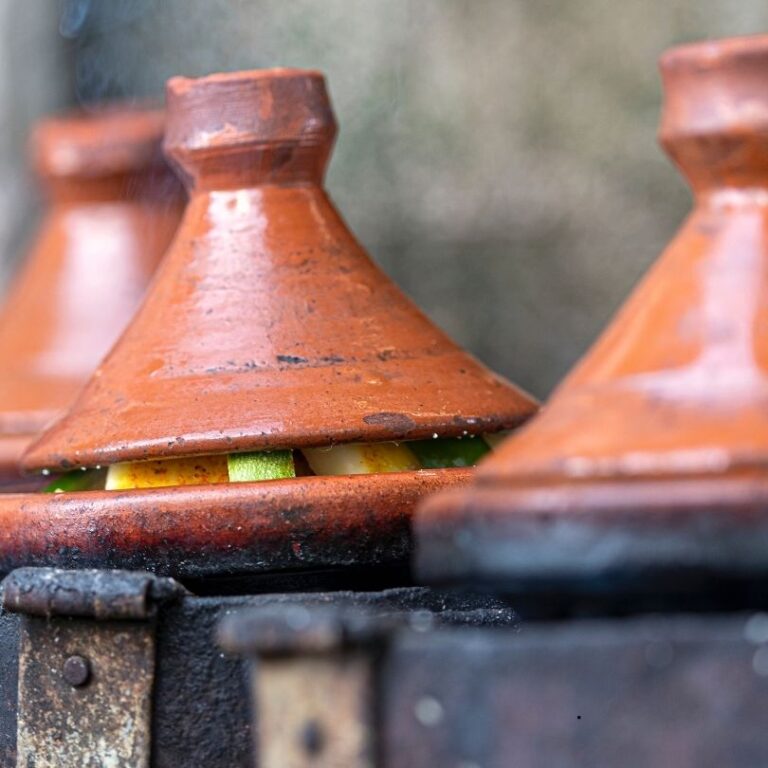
666,690
201,693
315,711
104,718
86,665
9,684
97,594
303,658
682,691
298,629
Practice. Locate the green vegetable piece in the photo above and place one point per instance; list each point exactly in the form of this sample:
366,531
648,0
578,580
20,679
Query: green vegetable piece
78,480
449,452
261,465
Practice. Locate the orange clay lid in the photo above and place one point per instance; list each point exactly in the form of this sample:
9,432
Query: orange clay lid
678,383
676,388
268,325
102,142
113,206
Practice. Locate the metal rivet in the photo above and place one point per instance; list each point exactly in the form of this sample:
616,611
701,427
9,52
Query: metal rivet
312,737
77,671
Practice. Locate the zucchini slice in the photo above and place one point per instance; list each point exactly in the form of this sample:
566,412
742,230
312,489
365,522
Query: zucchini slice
450,451
260,465
78,480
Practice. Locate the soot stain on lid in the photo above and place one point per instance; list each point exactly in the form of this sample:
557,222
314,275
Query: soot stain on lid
397,421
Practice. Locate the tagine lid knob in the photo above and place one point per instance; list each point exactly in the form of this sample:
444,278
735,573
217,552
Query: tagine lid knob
260,125
104,141
715,113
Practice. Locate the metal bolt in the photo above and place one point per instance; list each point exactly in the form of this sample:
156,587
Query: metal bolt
312,737
77,671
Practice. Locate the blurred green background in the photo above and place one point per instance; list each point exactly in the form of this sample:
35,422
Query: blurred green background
497,157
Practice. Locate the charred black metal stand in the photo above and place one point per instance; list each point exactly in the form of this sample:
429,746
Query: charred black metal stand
132,668
129,667
636,667
675,689
341,688
639,665
104,667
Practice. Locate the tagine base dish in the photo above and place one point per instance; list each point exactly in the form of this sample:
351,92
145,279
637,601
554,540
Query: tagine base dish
596,538
225,530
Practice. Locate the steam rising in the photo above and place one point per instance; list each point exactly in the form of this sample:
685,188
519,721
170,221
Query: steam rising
88,24
72,17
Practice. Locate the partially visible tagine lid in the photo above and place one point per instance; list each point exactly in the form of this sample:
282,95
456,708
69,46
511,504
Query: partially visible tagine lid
268,326
652,456
113,207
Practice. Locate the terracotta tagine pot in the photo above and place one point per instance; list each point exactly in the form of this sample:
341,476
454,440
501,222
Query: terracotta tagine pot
652,456
290,401
113,206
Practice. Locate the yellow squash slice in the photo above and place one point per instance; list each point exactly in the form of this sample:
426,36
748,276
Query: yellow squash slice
196,470
361,459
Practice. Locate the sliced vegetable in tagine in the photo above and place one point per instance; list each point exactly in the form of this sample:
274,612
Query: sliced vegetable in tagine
257,466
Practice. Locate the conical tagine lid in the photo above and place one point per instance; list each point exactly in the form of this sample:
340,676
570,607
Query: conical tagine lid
654,451
268,326
113,206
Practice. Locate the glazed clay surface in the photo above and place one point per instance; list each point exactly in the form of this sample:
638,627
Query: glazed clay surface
268,325
676,388
113,207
